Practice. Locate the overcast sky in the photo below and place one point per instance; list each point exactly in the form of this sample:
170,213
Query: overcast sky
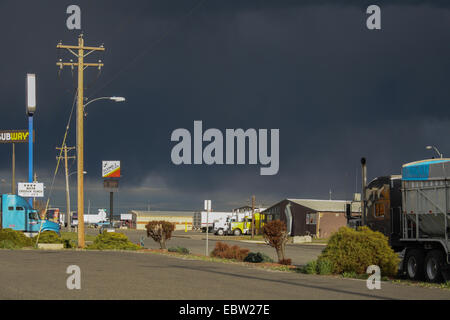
335,90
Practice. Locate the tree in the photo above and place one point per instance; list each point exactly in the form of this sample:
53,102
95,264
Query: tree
275,234
160,231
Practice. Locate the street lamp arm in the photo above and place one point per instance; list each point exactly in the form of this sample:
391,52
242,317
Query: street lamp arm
115,99
101,98
436,149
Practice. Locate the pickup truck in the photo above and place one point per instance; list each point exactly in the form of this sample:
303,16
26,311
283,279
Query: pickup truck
17,214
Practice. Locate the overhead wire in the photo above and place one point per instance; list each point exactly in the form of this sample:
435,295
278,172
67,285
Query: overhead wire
61,150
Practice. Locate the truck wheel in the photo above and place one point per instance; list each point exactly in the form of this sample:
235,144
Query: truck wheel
237,232
434,265
414,264
220,232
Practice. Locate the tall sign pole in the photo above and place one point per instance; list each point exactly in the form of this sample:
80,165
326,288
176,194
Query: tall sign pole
253,217
81,65
31,109
13,186
208,209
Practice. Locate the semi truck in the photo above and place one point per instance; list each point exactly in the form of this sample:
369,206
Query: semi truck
205,221
17,214
413,211
238,224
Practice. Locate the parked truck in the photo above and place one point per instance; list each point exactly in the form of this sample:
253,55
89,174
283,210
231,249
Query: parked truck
238,224
17,214
413,211
203,220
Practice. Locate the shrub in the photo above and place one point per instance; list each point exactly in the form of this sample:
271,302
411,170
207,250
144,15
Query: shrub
7,244
181,250
275,234
160,231
352,250
257,257
112,241
224,251
17,238
286,262
324,266
48,237
311,267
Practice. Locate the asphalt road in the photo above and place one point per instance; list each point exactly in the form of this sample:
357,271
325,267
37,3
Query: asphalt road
299,253
33,274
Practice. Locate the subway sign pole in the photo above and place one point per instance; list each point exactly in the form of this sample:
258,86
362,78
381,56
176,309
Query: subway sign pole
31,109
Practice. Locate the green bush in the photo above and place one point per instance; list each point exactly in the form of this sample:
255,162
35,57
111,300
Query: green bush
7,244
48,237
311,267
16,238
352,250
181,250
324,266
257,257
112,241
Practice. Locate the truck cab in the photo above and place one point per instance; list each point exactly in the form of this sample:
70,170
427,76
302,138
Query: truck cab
17,214
384,206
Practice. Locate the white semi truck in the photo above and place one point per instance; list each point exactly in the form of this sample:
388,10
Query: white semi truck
200,219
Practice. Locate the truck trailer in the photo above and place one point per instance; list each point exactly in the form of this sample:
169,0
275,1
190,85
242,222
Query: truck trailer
413,211
238,224
200,219
17,214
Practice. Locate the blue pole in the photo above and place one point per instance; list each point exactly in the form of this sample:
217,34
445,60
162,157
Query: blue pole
30,152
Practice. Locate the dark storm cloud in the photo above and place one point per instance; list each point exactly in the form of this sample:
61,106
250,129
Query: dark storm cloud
336,91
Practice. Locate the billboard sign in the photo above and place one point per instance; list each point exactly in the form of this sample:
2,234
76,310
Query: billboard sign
31,189
111,169
14,136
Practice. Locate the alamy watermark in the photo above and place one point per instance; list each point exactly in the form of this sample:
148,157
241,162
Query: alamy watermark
74,280
374,280
235,139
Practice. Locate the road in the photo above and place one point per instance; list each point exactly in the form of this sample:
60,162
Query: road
300,254
36,274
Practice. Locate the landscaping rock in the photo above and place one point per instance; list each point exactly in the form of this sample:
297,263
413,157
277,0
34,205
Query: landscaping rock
302,239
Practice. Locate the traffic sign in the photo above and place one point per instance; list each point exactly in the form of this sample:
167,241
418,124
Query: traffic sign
31,189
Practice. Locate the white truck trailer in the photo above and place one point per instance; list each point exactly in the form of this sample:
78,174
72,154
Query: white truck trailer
200,223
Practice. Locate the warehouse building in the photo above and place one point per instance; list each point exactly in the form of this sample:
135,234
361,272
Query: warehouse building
182,219
319,218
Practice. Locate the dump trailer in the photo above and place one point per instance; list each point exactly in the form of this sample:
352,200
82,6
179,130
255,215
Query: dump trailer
413,211
17,214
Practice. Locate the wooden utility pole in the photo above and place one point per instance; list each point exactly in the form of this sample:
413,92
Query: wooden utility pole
66,148
253,217
81,65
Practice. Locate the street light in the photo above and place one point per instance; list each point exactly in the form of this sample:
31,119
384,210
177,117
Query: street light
84,172
435,149
115,99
